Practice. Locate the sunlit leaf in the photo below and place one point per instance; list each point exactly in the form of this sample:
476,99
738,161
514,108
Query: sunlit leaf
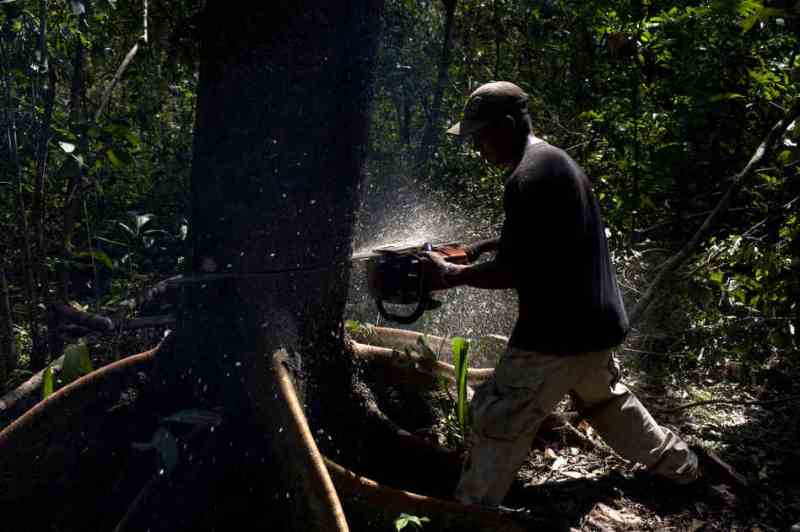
98,255
460,348
47,382
113,159
78,7
68,147
142,220
75,362
727,96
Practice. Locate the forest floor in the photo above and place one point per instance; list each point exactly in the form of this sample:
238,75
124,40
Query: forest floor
588,488
596,490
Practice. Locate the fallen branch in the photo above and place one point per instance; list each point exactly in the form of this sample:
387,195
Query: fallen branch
24,396
122,68
717,214
70,317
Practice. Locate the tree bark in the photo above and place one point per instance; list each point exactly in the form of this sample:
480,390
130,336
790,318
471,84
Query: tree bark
8,351
280,136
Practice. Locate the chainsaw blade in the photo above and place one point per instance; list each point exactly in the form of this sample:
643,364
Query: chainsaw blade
401,248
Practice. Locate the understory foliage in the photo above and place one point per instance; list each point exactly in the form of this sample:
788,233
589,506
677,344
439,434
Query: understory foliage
661,102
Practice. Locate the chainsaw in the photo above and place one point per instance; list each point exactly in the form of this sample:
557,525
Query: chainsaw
400,276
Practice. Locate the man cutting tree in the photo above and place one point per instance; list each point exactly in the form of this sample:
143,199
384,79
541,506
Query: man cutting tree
553,251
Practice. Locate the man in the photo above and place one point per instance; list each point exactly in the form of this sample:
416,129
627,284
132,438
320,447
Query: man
553,251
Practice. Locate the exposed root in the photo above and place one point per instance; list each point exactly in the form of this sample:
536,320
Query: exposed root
24,442
378,506
401,339
412,367
306,466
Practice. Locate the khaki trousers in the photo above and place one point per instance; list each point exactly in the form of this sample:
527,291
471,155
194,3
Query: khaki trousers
508,409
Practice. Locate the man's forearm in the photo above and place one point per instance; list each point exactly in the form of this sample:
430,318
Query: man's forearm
475,249
492,274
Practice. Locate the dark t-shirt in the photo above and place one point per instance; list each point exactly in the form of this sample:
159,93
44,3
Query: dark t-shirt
554,242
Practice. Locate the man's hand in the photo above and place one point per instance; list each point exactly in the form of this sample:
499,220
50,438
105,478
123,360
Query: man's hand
443,274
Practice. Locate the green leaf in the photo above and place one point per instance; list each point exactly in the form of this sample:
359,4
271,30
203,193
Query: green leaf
142,220
78,7
99,256
195,417
86,362
727,96
113,159
460,348
404,519
761,14
424,349
75,361
47,382
68,147
113,242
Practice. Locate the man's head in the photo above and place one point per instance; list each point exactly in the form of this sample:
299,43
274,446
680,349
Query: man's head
496,116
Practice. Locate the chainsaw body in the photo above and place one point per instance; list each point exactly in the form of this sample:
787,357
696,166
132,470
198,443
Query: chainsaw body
399,276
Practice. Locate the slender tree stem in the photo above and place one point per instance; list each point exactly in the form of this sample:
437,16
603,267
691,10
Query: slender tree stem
717,214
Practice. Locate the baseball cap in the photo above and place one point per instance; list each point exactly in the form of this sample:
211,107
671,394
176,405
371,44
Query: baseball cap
488,103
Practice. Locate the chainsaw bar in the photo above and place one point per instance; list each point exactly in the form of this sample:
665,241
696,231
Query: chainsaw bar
401,248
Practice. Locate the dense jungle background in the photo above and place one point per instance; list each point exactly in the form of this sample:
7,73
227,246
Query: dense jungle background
664,104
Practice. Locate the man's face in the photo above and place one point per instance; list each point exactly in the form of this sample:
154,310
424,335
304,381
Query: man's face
494,142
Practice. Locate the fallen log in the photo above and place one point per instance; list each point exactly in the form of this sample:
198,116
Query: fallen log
68,316
23,397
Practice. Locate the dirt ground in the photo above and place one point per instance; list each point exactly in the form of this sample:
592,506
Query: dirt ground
589,488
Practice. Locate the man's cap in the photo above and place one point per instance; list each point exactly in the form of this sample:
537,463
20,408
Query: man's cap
488,103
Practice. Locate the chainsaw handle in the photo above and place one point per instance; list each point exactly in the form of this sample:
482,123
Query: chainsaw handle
422,306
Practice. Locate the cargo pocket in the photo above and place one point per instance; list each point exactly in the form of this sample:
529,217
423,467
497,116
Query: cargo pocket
506,406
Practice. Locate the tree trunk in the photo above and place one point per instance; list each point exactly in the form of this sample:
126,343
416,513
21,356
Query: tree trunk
280,136
428,143
37,359
8,351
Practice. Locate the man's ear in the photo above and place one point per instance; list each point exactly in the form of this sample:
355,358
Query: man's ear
509,122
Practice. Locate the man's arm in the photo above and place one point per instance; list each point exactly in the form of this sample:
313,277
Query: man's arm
493,274
476,249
